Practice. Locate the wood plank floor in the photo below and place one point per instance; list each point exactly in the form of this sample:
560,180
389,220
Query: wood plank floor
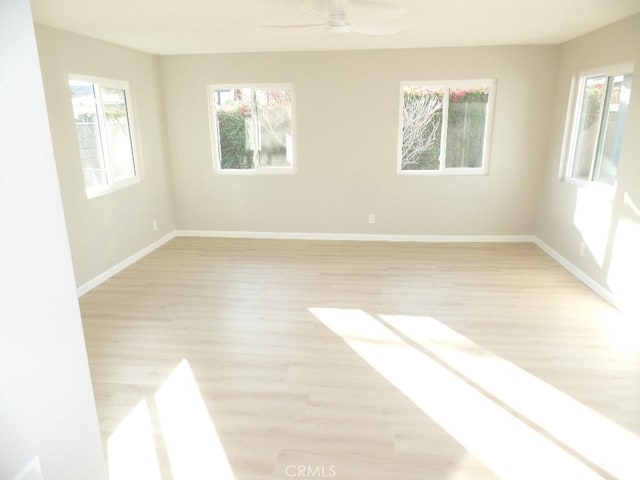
359,360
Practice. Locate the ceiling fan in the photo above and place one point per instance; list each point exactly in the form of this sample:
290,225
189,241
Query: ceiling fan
379,20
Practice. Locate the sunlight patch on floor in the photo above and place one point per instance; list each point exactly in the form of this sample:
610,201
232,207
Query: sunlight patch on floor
623,331
193,445
131,451
502,442
594,436
190,436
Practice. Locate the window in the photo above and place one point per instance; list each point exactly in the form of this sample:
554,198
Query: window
445,126
102,117
598,125
252,128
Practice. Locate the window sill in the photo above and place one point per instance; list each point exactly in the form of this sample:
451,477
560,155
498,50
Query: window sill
593,189
257,171
99,192
593,186
446,172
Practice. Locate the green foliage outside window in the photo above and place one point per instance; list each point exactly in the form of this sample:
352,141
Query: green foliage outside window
232,131
423,112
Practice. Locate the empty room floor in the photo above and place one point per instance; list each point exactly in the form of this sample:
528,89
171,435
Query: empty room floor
261,359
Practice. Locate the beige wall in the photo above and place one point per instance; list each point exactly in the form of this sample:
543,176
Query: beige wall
107,229
347,106
47,409
607,222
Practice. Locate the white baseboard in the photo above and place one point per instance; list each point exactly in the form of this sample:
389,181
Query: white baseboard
573,269
359,237
371,237
104,276
94,282
578,273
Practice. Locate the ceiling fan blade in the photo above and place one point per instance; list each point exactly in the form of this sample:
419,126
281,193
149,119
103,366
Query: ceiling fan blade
338,28
383,29
338,7
333,19
302,25
373,17
380,16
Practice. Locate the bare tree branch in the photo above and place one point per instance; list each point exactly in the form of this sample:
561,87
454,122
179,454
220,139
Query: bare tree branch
419,127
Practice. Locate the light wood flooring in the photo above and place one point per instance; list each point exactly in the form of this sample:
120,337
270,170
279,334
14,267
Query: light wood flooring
360,360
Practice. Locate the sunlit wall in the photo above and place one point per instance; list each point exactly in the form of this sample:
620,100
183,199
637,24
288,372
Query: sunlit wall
606,221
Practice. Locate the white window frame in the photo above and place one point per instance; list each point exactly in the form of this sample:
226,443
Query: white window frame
215,141
486,151
112,185
572,122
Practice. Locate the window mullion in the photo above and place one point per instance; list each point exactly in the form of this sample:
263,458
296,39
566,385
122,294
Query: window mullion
597,157
576,126
254,129
216,113
443,133
102,126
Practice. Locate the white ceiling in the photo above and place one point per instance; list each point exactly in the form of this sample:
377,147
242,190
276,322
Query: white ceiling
215,26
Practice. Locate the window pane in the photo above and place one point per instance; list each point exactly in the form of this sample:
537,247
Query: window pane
614,121
118,133
234,114
589,126
275,143
88,131
421,127
465,127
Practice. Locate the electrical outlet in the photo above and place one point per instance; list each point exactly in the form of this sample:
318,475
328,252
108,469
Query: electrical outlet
372,218
582,247
154,224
